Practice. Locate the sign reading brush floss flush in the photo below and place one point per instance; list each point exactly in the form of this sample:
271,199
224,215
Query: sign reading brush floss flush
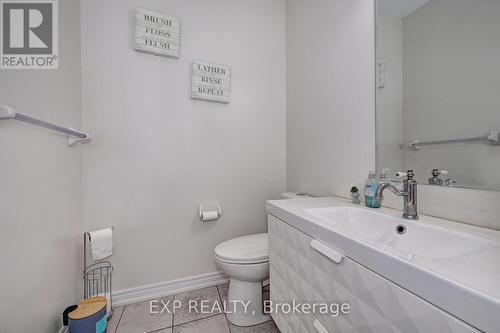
157,33
210,82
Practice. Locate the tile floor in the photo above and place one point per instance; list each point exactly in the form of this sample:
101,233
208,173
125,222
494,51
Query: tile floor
136,318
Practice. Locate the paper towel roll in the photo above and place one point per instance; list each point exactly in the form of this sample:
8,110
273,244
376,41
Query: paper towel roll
209,215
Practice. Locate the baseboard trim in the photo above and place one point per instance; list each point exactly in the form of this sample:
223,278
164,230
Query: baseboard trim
167,288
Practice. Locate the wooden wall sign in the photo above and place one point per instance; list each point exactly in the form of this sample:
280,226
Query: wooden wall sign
157,33
210,82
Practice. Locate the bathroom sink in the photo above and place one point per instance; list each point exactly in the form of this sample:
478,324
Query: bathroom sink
415,239
451,265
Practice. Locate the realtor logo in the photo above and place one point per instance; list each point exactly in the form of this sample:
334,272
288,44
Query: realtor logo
28,34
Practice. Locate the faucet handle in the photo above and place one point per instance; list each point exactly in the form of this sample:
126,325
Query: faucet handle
437,172
435,180
409,174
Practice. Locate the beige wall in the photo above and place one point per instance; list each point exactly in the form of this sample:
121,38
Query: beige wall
40,190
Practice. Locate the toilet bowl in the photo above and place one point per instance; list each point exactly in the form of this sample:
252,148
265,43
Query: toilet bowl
246,261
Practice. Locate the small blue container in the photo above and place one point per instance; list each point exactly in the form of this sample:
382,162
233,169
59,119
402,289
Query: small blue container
89,317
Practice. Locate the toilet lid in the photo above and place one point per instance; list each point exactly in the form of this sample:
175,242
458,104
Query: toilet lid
246,249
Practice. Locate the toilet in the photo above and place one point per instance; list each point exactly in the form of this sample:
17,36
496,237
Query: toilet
246,261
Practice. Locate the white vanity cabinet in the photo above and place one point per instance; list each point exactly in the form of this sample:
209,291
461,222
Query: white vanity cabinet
308,271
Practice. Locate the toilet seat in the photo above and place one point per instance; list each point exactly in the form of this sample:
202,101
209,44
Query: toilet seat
251,249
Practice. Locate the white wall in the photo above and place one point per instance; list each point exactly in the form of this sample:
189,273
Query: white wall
157,154
40,190
389,120
330,94
431,62
331,111
451,85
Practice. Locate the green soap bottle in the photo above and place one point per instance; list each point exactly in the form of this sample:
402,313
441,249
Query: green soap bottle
370,190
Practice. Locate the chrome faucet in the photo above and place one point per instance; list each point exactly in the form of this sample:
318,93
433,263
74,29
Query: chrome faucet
435,180
409,193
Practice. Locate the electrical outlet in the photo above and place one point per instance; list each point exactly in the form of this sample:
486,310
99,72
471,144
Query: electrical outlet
381,74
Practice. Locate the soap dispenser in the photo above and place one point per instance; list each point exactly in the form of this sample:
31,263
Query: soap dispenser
370,190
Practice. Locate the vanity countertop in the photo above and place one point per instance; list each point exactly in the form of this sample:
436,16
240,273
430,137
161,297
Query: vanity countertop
465,284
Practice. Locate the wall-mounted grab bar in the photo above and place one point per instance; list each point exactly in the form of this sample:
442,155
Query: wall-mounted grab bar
74,136
492,139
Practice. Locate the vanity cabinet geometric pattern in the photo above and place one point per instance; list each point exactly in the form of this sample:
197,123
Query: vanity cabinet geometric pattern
377,305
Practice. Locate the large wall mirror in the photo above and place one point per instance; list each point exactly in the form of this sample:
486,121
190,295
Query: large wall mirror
438,90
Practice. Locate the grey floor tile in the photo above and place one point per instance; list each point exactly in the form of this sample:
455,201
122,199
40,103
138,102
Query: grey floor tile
223,291
113,322
187,314
166,330
137,318
267,327
214,324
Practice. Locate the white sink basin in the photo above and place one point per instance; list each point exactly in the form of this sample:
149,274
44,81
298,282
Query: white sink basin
420,240
452,265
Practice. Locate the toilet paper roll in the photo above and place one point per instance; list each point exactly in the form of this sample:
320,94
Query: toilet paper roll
101,243
209,216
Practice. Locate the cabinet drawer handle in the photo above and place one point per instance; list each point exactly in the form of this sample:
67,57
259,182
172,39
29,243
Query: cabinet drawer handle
319,327
327,251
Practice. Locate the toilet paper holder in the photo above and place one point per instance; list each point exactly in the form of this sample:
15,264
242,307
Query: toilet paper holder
209,208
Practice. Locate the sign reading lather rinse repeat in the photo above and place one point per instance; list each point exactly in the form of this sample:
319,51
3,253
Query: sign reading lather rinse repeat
210,82
157,33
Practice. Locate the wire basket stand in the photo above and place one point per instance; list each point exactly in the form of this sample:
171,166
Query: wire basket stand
97,278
